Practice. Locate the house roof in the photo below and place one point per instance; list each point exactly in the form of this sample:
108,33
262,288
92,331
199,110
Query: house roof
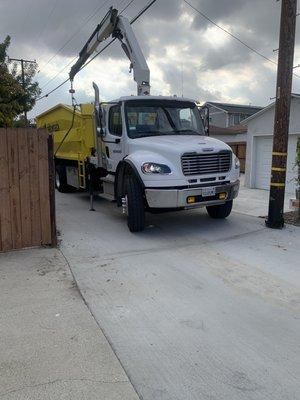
235,108
245,121
232,130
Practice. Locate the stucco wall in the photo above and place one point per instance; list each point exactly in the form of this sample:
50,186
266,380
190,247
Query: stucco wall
263,125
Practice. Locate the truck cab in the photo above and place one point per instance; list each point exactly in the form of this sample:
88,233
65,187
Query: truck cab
155,155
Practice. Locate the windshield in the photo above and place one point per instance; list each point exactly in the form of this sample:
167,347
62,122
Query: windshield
157,118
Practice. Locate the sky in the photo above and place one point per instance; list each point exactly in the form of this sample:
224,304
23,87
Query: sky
187,54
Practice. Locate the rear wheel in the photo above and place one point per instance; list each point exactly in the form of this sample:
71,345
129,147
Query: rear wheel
220,212
135,205
61,179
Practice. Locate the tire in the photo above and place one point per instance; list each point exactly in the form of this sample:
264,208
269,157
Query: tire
135,205
61,179
220,212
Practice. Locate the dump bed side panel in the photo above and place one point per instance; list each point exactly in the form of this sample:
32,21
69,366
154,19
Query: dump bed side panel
80,141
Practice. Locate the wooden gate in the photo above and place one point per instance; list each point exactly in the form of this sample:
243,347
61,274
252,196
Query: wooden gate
27,203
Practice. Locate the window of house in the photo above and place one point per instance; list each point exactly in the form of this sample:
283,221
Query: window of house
115,121
236,119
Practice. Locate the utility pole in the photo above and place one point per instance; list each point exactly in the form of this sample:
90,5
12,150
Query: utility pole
275,218
23,62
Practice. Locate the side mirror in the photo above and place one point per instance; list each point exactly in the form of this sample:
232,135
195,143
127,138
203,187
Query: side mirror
204,111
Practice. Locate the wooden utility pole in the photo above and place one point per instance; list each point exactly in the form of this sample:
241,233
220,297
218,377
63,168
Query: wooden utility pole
298,178
22,61
282,113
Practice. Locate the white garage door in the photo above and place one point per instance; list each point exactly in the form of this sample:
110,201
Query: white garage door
263,160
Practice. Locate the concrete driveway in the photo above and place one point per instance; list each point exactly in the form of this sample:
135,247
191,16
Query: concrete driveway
256,201
194,308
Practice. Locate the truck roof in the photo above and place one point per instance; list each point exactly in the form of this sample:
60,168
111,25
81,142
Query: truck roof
173,98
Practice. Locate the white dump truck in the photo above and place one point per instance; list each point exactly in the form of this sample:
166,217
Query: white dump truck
150,153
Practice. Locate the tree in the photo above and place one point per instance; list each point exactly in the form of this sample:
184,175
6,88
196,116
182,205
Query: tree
14,98
11,92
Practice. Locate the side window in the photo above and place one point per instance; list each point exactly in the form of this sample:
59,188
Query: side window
115,121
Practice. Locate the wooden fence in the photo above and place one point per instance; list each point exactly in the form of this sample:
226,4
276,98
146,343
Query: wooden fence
27,204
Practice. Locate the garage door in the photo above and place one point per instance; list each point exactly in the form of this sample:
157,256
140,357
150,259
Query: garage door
263,163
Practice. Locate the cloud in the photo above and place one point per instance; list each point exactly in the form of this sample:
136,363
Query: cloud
180,45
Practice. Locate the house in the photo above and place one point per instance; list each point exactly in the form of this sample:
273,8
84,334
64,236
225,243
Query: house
225,115
224,120
260,143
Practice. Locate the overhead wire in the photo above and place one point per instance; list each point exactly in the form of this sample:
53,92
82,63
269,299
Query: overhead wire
73,59
232,35
58,73
105,47
112,40
47,19
74,102
86,20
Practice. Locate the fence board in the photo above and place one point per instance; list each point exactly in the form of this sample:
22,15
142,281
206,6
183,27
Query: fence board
13,172
27,210
44,187
33,147
24,189
5,225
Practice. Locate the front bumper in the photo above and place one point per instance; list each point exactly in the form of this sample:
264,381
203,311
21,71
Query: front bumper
177,198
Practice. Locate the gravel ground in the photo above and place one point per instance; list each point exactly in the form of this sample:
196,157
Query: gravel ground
292,218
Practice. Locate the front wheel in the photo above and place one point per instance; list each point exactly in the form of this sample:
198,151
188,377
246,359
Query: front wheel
135,205
220,212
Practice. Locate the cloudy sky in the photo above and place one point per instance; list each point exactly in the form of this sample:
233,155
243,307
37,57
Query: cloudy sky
185,52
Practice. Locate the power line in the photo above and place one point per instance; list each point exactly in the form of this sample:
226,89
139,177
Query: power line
232,35
69,63
87,19
23,64
53,90
105,47
45,25
109,43
58,73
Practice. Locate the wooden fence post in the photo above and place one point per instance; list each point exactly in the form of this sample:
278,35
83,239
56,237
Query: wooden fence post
52,191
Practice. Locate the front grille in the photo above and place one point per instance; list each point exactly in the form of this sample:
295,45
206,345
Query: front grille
203,164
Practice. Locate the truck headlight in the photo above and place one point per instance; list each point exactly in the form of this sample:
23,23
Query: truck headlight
153,168
236,163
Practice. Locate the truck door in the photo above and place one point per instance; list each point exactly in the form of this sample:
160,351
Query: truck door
112,141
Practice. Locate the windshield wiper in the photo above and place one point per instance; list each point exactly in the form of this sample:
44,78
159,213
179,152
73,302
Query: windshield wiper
169,133
187,130
146,134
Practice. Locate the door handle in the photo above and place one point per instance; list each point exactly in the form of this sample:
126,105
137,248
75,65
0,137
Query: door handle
113,141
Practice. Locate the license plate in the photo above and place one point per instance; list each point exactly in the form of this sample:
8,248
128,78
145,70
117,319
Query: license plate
208,192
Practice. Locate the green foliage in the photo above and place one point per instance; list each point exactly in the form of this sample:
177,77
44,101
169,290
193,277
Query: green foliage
21,122
14,99
11,92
